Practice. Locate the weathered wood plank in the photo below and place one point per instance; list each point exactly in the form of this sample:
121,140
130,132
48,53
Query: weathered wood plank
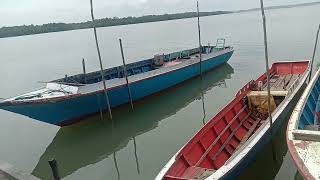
306,135
293,79
265,93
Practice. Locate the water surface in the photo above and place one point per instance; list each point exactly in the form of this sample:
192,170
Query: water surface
137,144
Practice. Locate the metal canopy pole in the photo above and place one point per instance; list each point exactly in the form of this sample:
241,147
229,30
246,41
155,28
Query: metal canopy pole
125,74
267,61
314,53
199,36
99,55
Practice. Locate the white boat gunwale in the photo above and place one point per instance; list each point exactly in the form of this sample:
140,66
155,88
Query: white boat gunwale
302,138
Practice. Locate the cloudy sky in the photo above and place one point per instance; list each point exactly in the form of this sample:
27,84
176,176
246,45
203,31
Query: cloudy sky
18,12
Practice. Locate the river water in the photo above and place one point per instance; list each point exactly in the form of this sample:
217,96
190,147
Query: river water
136,145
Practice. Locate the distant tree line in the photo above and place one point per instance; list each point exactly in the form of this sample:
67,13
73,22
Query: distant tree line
105,22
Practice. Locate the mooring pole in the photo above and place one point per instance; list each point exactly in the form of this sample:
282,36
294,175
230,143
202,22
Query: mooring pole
125,74
100,61
268,76
84,71
199,36
54,168
267,61
314,53
203,108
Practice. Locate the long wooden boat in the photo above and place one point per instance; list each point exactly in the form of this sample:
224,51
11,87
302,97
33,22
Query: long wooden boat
65,100
229,141
303,132
114,136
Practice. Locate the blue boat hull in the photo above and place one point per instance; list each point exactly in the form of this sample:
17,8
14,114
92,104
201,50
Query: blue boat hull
66,111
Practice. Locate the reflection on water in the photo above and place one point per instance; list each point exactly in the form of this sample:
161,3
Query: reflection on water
93,140
116,165
298,176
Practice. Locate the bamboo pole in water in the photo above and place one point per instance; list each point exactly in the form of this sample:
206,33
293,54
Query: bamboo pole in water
100,61
200,63
314,53
267,61
268,77
125,74
199,36
54,168
84,71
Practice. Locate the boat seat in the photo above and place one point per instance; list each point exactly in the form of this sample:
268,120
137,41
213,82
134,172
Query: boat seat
265,93
194,172
312,127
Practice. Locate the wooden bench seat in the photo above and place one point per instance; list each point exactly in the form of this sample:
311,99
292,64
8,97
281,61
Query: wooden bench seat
265,93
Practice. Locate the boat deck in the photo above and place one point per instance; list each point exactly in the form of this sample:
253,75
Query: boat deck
167,67
281,82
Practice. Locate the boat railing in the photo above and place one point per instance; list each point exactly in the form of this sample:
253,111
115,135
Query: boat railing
220,42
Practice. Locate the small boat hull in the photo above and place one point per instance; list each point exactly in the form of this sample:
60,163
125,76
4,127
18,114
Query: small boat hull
230,140
303,131
69,109
278,121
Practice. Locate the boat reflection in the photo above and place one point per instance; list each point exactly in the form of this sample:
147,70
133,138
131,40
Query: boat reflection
97,138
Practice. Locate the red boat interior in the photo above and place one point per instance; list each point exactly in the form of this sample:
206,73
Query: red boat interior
226,132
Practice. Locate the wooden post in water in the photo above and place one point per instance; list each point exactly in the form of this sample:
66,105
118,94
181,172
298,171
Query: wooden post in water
268,76
267,61
199,36
54,168
125,74
314,53
100,61
200,63
203,107
84,71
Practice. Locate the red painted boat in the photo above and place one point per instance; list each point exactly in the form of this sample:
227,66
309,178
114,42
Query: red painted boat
230,140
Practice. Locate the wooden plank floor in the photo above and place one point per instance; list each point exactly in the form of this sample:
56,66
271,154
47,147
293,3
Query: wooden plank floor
281,82
194,59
